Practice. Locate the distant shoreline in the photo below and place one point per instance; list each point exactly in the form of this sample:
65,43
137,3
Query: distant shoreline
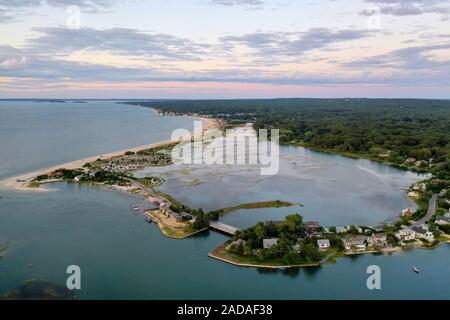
19,182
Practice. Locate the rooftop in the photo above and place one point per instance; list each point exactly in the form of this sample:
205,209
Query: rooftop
323,242
269,243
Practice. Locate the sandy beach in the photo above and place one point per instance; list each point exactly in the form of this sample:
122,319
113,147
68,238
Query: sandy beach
19,182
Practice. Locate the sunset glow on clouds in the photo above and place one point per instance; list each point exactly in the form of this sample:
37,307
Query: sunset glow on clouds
224,48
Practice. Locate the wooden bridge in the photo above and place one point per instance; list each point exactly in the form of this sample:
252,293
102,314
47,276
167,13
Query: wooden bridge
230,230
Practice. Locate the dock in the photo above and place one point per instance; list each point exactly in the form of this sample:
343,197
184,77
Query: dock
149,218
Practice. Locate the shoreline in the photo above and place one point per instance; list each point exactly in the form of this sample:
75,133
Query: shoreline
19,182
216,254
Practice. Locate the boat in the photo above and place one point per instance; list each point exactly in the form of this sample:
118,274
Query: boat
136,208
416,270
282,269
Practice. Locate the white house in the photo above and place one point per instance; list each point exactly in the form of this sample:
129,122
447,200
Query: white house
424,234
341,230
323,243
358,243
405,234
269,243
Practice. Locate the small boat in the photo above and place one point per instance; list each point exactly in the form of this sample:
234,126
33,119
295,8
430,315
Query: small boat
136,208
282,269
416,270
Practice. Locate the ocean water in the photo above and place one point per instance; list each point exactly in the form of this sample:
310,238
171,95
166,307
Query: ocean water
123,257
39,135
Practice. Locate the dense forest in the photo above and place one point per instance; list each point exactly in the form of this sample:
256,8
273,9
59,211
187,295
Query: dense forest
410,133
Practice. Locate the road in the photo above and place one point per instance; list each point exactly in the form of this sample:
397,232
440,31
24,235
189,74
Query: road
153,196
430,213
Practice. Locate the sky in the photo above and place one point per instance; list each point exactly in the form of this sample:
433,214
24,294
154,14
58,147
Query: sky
202,49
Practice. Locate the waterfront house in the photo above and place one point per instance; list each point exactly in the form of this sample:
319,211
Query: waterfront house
269,243
236,244
340,230
358,229
423,233
164,208
421,163
377,228
420,186
312,226
378,240
405,234
357,243
323,244
408,213
442,221
413,194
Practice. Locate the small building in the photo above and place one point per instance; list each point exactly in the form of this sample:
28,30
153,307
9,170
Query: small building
421,163
413,194
408,212
358,229
78,178
422,233
405,234
269,243
447,215
443,221
323,244
312,226
410,161
340,230
420,186
378,240
357,243
377,228
235,244
164,208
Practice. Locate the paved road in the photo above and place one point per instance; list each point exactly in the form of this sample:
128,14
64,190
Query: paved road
430,213
223,227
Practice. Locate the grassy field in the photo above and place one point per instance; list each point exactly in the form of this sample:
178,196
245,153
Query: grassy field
256,205
179,234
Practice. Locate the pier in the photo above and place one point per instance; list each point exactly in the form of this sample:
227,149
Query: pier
230,230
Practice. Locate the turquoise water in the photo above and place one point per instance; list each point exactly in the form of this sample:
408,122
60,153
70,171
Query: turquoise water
123,257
